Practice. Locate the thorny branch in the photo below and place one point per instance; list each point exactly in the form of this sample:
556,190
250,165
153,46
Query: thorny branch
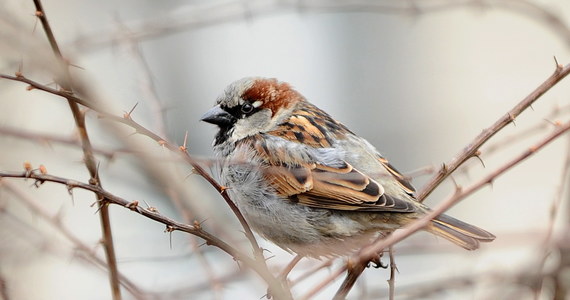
130,286
66,83
127,120
472,150
152,213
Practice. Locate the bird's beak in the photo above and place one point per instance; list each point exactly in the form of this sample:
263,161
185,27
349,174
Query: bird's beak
217,116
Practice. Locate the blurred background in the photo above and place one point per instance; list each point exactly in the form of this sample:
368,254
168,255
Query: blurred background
419,79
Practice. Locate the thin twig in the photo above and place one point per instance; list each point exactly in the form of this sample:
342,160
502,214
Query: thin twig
37,210
50,138
472,149
171,225
204,16
65,81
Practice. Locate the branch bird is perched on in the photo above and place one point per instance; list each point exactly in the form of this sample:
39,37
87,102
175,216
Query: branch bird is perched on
306,182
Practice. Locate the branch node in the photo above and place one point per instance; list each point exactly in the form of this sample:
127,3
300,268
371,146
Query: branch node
132,205
169,228
43,169
197,225
223,189
39,14
28,168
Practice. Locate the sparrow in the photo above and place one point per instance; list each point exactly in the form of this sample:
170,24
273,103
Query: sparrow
306,182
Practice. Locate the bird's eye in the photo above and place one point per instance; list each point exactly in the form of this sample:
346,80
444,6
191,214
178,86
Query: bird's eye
246,108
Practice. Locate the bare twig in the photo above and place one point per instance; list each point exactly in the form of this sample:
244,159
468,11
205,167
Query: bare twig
50,138
65,81
127,120
472,149
220,13
171,225
130,286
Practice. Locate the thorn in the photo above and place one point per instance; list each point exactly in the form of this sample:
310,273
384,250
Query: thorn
74,65
556,123
183,148
223,189
512,119
100,206
127,115
443,169
559,66
70,192
38,182
478,156
192,172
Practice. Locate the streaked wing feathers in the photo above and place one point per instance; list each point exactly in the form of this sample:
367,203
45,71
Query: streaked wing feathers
321,186
401,179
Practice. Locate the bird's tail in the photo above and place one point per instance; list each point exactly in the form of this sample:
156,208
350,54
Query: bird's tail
459,232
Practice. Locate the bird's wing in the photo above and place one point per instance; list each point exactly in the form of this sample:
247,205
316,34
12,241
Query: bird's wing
339,188
293,168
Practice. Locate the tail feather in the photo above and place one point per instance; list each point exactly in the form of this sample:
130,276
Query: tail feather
459,232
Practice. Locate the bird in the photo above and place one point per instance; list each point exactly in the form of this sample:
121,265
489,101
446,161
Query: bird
306,182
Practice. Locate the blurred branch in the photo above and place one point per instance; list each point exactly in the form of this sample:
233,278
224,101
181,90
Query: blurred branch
49,138
472,150
152,213
55,222
4,295
65,81
127,120
222,12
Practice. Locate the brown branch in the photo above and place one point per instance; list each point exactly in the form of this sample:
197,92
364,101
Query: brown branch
368,253
65,81
48,139
127,120
37,210
472,149
171,225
